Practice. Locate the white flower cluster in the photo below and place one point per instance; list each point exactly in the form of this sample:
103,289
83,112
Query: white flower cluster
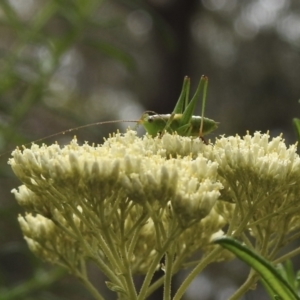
144,195
135,191
261,175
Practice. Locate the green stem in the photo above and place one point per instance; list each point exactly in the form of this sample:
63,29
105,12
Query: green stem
287,256
149,275
103,267
176,266
90,287
154,286
168,274
202,264
263,247
252,278
233,220
292,238
152,268
106,244
131,291
135,235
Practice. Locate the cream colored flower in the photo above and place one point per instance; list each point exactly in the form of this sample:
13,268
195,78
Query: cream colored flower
129,192
262,177
130,201
49,241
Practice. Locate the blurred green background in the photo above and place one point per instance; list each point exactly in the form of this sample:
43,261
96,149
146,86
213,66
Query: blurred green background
68,63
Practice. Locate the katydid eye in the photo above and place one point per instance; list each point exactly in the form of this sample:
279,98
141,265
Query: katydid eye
150,119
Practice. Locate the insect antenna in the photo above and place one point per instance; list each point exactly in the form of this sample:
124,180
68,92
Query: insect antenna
73,129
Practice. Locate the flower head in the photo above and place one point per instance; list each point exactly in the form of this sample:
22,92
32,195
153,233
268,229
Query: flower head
129,193
129,200
261,176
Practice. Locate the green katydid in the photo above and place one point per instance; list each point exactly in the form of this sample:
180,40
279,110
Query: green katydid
181,119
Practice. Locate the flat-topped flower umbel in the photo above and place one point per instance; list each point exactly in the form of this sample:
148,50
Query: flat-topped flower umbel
130,193
131,201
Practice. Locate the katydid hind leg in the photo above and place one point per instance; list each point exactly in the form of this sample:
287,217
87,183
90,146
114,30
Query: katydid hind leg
189,110
183,98
205,78
185,130
182,101
187,95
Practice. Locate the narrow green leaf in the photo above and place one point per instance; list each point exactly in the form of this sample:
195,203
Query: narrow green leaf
287,272
267,271
296,123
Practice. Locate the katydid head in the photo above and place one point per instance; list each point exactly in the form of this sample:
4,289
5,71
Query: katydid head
154,124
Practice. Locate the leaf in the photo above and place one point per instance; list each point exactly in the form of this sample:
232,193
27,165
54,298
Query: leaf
275,283
296,123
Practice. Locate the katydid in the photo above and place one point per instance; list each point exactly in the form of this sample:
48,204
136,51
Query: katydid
181,119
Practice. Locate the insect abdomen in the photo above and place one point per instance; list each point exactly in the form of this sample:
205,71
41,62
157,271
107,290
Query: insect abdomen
156,124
